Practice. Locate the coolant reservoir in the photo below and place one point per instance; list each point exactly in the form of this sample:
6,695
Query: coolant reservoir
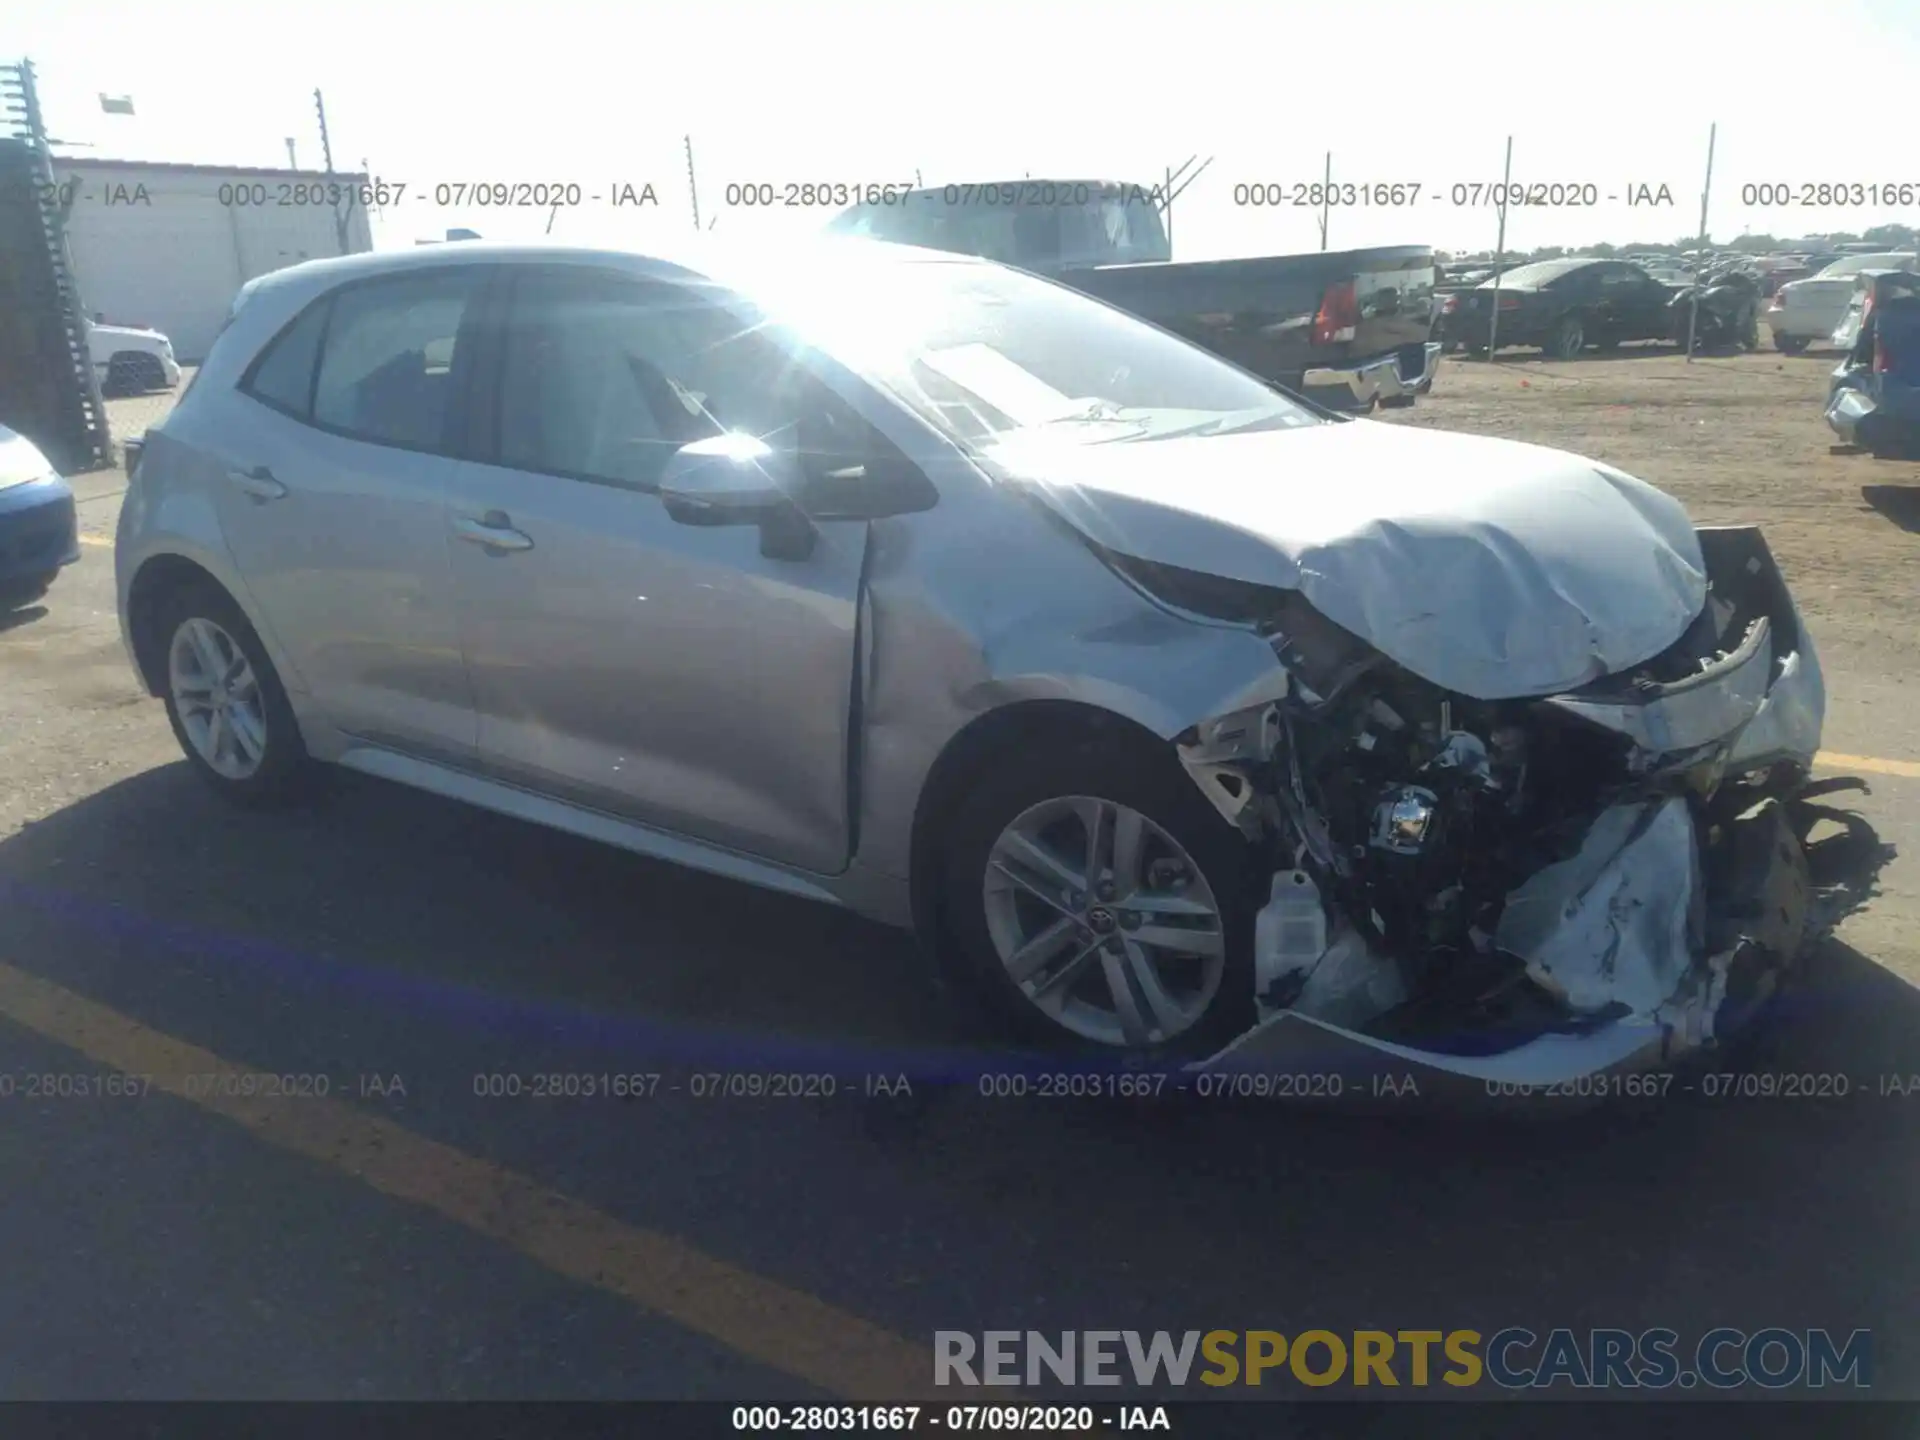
1290,932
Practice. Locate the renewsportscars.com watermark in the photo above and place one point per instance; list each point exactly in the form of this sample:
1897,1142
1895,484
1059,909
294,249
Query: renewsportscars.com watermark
1514,1358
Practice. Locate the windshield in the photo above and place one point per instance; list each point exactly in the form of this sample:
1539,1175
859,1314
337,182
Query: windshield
987,354
1532,277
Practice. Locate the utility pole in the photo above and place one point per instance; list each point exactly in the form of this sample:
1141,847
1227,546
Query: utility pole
326,155
1700,250
293,160
1326,196
1177,181
693,185
1500,254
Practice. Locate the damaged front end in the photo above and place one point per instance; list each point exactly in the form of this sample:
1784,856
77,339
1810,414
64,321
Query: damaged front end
1529,891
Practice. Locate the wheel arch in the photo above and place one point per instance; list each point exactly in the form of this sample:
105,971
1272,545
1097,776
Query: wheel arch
1036,723
158,577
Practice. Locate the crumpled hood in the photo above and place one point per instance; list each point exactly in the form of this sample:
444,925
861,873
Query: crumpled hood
1492,568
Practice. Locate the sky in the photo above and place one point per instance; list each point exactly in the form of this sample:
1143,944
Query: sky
1600,101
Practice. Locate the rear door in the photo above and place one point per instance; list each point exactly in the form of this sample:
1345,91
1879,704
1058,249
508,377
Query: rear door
667,673
1633,303
333,463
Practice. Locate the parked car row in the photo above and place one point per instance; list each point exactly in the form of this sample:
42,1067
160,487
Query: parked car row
1561,307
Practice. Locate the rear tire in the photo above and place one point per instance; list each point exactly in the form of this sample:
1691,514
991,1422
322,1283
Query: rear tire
1093,991
1790,344
226,704
1567,339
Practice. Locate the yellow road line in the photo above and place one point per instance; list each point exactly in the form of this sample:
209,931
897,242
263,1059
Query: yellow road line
1827,760
105,541
785,1329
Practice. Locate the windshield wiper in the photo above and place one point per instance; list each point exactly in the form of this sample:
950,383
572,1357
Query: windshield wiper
1094,412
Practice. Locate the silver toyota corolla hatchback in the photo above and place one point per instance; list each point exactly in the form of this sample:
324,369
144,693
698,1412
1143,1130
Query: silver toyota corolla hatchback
1182,720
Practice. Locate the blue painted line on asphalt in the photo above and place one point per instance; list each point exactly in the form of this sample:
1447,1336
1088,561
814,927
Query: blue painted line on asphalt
526,1018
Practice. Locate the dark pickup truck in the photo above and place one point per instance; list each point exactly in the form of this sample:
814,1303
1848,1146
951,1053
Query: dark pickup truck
1347,328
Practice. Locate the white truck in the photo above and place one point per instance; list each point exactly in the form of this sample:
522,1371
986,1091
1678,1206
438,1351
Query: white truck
130,361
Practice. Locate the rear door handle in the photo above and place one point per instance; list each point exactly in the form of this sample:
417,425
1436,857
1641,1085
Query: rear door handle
493,531
257,482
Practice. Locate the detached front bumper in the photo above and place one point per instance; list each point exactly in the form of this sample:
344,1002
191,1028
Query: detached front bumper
1748,911
1398,376
1682,908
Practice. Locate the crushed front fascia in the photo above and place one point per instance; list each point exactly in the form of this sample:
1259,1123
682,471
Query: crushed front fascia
1614,923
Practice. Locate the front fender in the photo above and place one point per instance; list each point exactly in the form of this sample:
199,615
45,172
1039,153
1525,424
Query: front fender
1056,625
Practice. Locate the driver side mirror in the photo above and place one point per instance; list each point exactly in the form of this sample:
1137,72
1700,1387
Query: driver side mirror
740,480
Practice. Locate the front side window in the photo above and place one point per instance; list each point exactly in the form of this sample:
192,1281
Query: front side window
603,378
386,367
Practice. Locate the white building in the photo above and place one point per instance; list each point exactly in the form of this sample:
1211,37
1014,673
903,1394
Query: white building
166,246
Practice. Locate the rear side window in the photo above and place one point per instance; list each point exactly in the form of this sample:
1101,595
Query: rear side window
386,368
283,375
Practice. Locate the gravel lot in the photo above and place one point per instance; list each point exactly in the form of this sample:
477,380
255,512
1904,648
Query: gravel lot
160,1249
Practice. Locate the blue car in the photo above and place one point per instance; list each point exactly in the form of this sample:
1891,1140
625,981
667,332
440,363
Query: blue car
38,532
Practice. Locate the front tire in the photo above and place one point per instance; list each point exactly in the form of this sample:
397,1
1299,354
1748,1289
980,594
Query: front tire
125,375
1790,344
1100,905
225,702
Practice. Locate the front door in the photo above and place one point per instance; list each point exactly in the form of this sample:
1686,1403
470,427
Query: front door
667,673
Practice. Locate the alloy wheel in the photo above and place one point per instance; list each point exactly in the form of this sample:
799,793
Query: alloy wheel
217,697
1104,922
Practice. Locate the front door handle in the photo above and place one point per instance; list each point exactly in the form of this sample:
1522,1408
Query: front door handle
257,482
493,531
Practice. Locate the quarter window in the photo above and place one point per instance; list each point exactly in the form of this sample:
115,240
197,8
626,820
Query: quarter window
283,375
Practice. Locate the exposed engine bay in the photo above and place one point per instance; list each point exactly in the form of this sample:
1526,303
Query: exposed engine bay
1462,877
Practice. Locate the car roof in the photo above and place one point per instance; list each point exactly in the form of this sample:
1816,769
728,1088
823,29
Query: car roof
723,261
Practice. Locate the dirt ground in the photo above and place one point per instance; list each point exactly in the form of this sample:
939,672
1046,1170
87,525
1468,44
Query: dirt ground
1735,438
